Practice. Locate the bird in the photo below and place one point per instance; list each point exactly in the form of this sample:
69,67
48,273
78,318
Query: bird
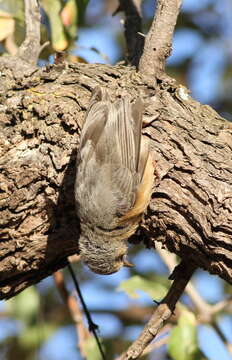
114,180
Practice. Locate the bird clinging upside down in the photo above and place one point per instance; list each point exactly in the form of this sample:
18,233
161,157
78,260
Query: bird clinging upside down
113,182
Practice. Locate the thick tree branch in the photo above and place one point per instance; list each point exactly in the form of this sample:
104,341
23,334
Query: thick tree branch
158,42
40,121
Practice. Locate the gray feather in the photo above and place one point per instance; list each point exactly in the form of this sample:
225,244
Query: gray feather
109,164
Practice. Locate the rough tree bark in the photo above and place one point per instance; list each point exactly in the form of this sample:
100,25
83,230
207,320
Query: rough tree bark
41,113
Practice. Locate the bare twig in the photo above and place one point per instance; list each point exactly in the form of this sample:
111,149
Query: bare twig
74,310
205,310
222,336
164,310
162,339
92,326
30,48
170,260
158,43
133,28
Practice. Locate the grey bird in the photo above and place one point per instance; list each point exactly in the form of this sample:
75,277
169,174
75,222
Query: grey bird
114,180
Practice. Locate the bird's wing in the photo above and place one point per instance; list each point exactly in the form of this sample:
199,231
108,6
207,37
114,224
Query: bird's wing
110,162
96,117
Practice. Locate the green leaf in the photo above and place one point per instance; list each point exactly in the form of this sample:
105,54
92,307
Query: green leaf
33,336
137,283
25,305
72,15
53,9
12,7
69,16
182,344
91,349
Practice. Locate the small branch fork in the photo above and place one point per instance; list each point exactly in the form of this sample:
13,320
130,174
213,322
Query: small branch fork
181,276
205,311
158,42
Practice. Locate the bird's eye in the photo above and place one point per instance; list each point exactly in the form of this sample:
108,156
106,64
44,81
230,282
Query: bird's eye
120,227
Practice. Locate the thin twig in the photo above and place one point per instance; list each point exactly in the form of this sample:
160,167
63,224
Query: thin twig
158,43
205,310
222,336
164,310
92,326
74,310
162,339
170,260
133,29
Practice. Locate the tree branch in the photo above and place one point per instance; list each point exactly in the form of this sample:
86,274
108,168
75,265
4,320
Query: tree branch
155,345
158,42
75,312
182,274
205,312
41,117
133,28
30,49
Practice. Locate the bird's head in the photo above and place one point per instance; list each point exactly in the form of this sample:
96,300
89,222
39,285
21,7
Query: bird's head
103,255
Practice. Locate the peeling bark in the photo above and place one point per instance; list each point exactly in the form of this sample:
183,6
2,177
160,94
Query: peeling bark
40,120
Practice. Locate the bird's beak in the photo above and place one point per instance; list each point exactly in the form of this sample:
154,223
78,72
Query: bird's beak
126,262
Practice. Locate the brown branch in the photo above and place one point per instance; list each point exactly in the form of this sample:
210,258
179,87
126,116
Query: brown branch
206,312
158,42
39,227
156,345
30,48
164,310
133,28
170,260
75,312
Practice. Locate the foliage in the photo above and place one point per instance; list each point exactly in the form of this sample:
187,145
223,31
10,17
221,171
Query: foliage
60,23
136,283
182,344
91,350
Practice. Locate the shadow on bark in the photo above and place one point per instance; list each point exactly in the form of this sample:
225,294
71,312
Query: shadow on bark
64,224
